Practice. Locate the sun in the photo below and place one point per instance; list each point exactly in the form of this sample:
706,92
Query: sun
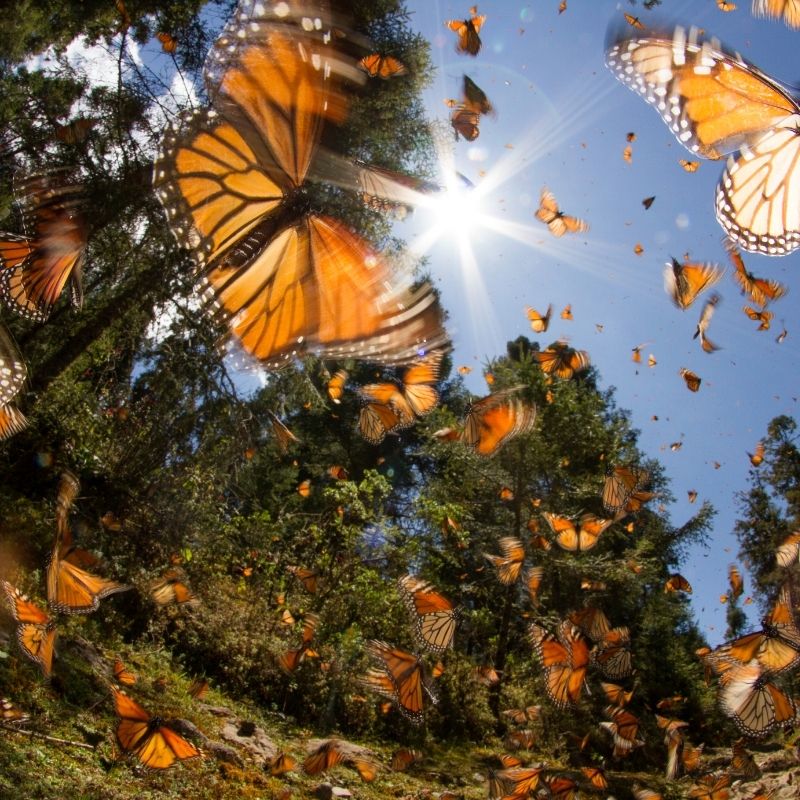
457,208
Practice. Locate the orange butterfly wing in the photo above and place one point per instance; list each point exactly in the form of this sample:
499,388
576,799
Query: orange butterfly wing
154,744
32,285
788,10
282,282
72,590
36,633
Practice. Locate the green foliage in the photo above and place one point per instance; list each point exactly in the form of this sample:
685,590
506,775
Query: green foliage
770,509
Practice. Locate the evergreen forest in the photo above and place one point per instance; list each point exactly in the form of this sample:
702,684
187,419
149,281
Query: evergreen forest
347,569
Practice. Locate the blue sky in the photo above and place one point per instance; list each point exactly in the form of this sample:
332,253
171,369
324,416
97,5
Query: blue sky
562,120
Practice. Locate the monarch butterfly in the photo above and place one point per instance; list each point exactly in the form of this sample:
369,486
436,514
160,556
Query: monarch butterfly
591,622
171,589
634,22
673,739
385,67
726,5
758,456
567,312
517,781
283,436
777,647
711,787
648,201
401,678
788,10
486,674
308,577
692,495
75,131
539,322
417,395
763,317
198,688
557,222
756,706
677,583
168,42
467,30
596,776
366,769
624,727
612,654
335,387
73,590
155,744
561,787
13,374
670,726
10,713
34,269
519,716
735,581
304,488
494,420
509,564
589,585
636,352
281,764
68,489
533,582
689,166
375,420
715,102
684,282
36,632
690,757
403,758
434,617
703,323
788,550
627,154
620,484
475,98
465,124
229,177
290,660
338,473
562,360
743,763
564,658
584,538
324,757
691,379
760,290
122,674
616,694
520,740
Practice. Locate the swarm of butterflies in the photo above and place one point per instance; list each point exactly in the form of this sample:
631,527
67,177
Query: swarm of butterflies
73,589
284,280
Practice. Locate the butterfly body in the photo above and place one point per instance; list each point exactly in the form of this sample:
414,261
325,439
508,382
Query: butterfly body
467,31
155,744
556,220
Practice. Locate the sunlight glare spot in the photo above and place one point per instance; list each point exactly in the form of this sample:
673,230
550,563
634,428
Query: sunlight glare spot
458,210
